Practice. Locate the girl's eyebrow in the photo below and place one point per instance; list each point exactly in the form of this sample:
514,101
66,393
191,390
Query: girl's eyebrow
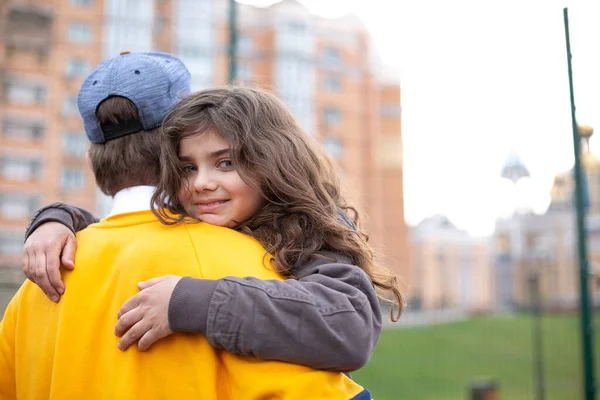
213,154
219,152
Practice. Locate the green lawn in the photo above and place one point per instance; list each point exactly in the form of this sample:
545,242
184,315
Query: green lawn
439,362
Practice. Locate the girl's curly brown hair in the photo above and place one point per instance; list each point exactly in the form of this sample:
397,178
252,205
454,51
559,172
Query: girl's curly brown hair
289,168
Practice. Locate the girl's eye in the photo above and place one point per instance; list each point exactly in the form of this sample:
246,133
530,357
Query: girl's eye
225,164
189,169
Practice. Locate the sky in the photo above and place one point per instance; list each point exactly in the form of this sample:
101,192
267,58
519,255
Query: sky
480,79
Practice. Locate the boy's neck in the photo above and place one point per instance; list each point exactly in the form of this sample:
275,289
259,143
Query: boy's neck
131,199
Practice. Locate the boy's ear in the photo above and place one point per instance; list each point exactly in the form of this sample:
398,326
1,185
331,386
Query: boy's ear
88,160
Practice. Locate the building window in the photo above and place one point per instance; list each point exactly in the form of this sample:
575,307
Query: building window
332,83
244,72
295,37
79,32
160,22
19,128
390,110
440,255
333,145
332,57
72,179
69,106
76,67
18,205
20,168
11,243
20,91
81,2
296,27
332,116
74,144
244,44
191,51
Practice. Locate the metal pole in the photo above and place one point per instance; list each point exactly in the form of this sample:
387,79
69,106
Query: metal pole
586,321
232,41
536,308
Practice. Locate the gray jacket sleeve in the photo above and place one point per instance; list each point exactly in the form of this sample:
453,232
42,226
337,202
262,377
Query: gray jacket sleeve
72,217
328,318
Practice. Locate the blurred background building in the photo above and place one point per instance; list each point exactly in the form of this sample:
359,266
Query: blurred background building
45,50
545,245
450,268
326,70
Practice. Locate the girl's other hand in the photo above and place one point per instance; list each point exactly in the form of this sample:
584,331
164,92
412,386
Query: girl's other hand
144,318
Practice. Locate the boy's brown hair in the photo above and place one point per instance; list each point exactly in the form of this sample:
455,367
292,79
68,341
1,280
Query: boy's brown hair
291,171
130,160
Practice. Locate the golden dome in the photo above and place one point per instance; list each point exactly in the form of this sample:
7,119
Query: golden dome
585,131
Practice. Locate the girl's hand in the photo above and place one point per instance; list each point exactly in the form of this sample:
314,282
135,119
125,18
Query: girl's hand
51,245
145,316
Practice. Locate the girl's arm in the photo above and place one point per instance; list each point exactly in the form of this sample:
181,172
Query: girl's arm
72,217
328,318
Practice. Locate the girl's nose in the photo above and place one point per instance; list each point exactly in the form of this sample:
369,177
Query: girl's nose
204,181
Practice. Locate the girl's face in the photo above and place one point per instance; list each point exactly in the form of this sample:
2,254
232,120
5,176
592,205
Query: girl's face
215,193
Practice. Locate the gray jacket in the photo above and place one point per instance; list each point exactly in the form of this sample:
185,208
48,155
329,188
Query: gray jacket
328,318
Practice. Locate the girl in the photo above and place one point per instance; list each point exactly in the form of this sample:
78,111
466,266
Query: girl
235,157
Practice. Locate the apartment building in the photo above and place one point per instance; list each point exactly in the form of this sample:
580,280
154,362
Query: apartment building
46,47
326,70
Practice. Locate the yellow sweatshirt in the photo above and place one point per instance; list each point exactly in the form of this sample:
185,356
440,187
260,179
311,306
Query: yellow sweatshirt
69,351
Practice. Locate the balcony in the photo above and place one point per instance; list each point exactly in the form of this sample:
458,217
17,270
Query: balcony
23,90
20,169
29,26
23,128
31,9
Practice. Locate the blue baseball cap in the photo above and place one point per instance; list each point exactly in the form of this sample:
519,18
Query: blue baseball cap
154,82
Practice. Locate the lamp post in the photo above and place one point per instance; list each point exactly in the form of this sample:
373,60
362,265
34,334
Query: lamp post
586,321
536,260
514,170
583,202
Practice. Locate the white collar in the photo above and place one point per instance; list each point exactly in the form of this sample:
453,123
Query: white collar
135,198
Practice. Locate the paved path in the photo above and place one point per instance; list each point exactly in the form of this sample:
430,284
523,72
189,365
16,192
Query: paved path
412,319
